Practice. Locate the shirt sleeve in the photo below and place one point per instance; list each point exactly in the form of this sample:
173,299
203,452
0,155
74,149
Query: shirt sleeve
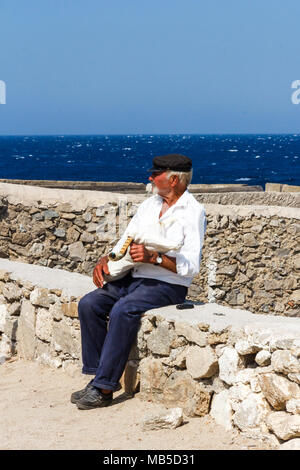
189,257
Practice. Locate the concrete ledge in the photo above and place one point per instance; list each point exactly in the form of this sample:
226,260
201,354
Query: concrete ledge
251,198
79,200
128,187
282,188
219,318
82,185
74,284
253,210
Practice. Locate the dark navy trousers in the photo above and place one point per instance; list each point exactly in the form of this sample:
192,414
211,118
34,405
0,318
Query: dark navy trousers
110,319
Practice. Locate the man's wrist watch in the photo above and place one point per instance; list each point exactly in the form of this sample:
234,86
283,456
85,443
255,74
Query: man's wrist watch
159,260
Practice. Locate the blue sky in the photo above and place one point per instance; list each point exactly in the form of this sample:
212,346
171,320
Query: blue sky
159,66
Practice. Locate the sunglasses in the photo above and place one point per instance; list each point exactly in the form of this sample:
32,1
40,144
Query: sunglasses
156,173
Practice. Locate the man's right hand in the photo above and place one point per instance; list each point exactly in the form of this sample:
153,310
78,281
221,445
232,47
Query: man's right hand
100,269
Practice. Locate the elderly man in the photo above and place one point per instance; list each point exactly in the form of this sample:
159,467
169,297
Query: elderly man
161,279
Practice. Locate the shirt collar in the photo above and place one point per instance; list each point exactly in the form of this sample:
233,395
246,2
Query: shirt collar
181,202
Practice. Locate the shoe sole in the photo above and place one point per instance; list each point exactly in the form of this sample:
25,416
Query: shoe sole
80,406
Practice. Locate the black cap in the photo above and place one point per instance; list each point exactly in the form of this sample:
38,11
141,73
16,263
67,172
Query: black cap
172,161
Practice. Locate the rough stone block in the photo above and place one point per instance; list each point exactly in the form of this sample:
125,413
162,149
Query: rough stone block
14,308
284,425
229,270
12,292
146,326
87,238
292,444
250,240
72,235
160,339
201,362
263,358
293,406
21,238
178,389
296,296
67,216
221,409
41,297
77,251
199,404
26,331
56,311
6,348
191,333
10,328
296,262
153,379
43,325
251,412
243,347
294,378
285,362
67,338
180,358
130,378
273,285
228,365
59,232
3,315
278,390
70,309
50,214
165,420
238,393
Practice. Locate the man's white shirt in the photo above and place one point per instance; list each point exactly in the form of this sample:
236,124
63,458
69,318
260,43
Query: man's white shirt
184,222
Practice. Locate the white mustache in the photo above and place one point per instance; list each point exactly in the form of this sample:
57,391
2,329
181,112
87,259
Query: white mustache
151,188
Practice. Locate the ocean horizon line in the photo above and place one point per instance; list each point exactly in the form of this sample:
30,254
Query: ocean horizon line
155,134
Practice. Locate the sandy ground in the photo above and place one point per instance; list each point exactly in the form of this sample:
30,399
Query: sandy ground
36,413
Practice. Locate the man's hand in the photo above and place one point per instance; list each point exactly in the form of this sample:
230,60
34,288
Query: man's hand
139,253
100,268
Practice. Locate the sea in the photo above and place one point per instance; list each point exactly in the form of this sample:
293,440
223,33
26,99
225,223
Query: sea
250,159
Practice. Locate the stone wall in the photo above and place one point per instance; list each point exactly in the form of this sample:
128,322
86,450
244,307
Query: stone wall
242,369
251,255
251,259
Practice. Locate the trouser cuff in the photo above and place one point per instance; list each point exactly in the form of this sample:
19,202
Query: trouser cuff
106,386
89,371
